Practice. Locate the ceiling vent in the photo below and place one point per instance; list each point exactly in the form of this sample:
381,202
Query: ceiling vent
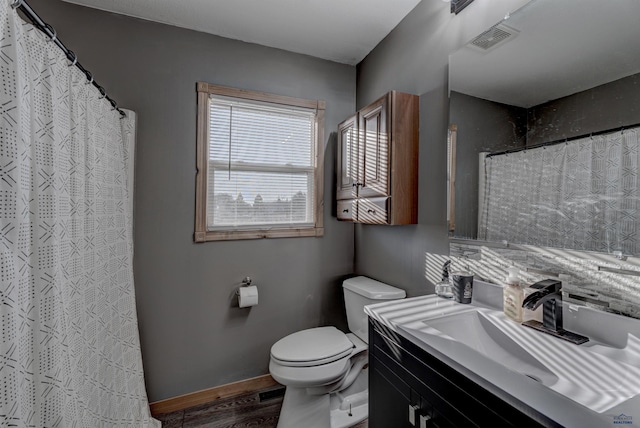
492,38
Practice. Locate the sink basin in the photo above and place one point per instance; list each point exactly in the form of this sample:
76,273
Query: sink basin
597,376
474,330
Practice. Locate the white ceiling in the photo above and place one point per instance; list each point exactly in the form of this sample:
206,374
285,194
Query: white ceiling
564,47
344,31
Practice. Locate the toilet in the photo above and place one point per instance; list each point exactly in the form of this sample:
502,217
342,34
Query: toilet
324,369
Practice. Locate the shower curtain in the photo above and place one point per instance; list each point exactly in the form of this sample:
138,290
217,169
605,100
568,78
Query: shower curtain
70,352
581,194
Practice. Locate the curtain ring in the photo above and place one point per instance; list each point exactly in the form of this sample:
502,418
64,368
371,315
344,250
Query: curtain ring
75,58
103,93
16,4
53,37
89,77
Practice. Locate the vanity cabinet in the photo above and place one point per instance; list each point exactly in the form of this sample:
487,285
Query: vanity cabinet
377,162
406,382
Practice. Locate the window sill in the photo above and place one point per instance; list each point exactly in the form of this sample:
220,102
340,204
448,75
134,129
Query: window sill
258,234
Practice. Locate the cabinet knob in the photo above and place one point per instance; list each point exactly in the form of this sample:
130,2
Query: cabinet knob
345,211
371,211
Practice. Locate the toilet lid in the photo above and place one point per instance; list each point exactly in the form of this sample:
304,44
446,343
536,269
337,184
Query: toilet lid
307,346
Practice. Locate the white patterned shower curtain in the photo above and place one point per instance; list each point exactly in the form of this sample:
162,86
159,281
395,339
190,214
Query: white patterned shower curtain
70,352
582,195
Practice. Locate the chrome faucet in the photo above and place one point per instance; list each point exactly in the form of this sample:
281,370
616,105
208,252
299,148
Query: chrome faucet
550,297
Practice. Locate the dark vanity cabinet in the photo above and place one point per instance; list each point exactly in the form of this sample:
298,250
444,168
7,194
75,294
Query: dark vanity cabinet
409,387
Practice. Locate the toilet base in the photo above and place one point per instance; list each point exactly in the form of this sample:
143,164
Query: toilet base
351,406
338,410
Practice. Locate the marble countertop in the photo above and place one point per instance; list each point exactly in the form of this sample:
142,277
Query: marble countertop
601,399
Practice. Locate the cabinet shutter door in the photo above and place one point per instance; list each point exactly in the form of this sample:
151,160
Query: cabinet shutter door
374,149
347,159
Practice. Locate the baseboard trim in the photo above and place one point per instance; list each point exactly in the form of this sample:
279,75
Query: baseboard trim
205,396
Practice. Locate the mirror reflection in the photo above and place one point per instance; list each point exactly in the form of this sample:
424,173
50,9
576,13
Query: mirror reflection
544,108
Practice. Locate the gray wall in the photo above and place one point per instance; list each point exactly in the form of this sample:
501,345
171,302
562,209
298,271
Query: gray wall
414,58
582,113
483,126
192,335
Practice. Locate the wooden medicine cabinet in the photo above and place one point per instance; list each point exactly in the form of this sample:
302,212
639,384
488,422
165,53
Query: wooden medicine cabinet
377,162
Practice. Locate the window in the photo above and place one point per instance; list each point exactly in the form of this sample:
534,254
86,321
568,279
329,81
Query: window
259,166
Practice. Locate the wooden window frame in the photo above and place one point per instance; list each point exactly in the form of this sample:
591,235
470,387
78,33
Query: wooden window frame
452,140
205,90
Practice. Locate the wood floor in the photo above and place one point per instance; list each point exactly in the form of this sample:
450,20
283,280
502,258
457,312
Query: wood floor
255,409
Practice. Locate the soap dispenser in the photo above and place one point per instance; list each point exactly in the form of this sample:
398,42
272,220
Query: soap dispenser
444,287
513,295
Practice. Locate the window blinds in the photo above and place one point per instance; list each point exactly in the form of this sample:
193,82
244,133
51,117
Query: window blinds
261,165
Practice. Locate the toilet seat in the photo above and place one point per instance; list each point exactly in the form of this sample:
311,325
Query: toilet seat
314,373
313,376
312,347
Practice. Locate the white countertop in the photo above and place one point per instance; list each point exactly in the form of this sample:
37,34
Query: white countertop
602,398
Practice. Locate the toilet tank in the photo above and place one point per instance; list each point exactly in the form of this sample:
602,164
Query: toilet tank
360,292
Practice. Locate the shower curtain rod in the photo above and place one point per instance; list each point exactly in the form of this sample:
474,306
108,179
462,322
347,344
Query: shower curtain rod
563,140
24,7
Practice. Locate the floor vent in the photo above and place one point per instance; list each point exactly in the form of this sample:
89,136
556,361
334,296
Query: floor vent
492,38
270,395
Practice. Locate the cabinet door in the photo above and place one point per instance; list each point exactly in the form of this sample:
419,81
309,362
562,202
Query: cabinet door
347,210
373,210
374,149
347,168
389,398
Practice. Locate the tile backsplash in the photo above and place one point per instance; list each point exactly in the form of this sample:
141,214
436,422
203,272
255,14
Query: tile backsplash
598,280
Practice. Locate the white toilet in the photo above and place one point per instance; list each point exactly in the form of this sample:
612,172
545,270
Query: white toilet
324,369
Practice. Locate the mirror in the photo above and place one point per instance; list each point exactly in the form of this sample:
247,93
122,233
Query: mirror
544,108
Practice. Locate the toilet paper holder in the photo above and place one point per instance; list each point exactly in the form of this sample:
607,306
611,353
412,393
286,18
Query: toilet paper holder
246,282
247,294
